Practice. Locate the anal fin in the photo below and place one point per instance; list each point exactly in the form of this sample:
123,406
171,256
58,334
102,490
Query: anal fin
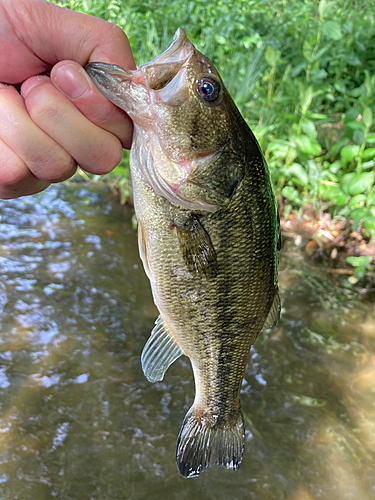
160,351
274,313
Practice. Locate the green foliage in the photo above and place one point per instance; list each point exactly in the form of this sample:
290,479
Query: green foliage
361,265
303,75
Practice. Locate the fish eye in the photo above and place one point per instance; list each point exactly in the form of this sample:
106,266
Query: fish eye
208,88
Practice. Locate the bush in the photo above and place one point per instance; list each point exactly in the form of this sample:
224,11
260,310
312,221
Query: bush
303,75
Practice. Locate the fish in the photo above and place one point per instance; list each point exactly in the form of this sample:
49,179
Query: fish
208,235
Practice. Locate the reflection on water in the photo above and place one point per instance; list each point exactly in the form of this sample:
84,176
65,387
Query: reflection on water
78,420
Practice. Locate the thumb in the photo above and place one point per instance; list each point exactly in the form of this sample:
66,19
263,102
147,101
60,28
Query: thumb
54,34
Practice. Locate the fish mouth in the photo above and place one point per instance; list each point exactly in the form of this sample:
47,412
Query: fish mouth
178,51
161,70
153,75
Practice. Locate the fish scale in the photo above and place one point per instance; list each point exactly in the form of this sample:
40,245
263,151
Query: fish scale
208,235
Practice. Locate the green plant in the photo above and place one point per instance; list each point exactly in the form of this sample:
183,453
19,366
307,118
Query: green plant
361,265
303,75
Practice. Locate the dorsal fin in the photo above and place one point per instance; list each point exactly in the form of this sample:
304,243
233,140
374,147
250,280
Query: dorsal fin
160,351
274,313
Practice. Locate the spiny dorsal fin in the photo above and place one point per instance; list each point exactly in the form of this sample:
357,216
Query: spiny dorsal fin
274,314
197,249
159,352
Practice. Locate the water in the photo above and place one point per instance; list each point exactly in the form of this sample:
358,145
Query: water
78,420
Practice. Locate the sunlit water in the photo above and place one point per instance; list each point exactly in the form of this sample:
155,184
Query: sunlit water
78,420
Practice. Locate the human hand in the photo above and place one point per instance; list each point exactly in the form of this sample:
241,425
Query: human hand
62,119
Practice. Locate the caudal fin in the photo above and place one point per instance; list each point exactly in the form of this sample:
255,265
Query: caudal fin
201,444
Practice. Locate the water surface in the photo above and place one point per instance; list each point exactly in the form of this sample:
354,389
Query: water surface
78,420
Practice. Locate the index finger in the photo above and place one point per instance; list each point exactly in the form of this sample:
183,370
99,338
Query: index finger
75,83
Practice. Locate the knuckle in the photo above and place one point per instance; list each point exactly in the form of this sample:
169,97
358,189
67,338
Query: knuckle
43,105
56,169
105,159
104,114
12,172
117,32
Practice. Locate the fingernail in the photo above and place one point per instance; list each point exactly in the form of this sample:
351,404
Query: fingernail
31,83
71,80
3,86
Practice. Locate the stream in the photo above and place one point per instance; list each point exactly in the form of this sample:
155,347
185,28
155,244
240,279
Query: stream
78,419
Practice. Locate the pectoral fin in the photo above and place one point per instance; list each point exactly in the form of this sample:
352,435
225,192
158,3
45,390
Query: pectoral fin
197,249
274,314
159,352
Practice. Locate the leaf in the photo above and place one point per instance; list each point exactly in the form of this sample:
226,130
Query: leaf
335,166
369,83
368,153
360,263
345,182
291,194
318,75
370,138
358,137
353,60
319,116
367,117
371,198
341,200
307,50
357,200
307,145
352,113
353,261
340,86
306,98
361,182
322,7
271,55
287,210
366,165
332,193
221,40
359,214
337,147
297,70
354,125
309,129
320,53
300,173
332,30
348,153
369,224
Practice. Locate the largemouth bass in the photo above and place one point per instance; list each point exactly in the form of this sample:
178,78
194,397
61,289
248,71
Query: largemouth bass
209,237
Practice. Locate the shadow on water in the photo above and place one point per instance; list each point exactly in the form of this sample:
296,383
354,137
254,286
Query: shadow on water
78,420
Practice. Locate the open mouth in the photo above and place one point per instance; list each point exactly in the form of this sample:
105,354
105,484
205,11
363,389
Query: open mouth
154,75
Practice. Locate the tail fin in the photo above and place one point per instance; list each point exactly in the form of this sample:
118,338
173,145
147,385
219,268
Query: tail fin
201,444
